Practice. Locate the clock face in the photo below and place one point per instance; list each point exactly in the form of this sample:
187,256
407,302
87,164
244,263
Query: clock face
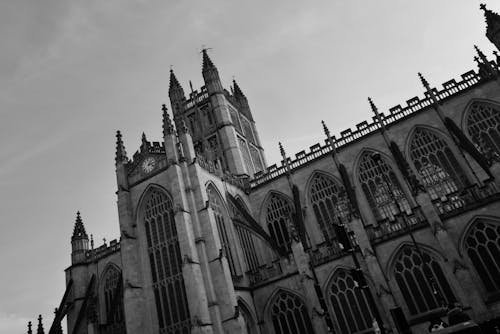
148,164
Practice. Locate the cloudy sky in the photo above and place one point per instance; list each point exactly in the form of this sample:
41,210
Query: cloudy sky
73,72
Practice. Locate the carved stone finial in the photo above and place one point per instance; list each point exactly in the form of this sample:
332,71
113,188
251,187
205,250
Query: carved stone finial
282,151
40,326
424,81
30,331
79,229
325,129
121,154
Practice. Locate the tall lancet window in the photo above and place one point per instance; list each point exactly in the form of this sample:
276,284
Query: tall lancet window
113,297
482,244
483,125
412,273
439,169
329,202
373,176
222,221
166,264
278,215
289,315
350,304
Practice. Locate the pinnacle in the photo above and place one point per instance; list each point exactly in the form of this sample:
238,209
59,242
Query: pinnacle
325,129
489,14
282,151
237,90
29,328
40,326
424,81
373,106
207,62
168,127
174,83
79,230
121,154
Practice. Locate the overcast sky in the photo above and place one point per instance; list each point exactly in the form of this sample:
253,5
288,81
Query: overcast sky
73,72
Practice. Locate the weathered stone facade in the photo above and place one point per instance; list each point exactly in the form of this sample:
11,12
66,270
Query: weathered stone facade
425,221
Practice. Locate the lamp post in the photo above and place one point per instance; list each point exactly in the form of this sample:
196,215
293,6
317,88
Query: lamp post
387,183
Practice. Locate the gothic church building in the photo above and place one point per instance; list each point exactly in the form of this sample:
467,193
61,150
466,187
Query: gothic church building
380,228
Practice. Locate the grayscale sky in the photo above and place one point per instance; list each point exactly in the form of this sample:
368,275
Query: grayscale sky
73,72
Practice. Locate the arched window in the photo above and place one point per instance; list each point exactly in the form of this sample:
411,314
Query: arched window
373,176
246,155
436,164
277,218
482,244
483,125
221,220
113,297
413,272
330,204
289,315
166,264
249,320
350,304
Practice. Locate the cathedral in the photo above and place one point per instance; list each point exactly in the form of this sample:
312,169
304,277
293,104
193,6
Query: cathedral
381,229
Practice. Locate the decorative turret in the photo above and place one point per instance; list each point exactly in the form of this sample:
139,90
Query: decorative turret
40,326
121,154
144,143
486,70
242,101
176,93
79,241
492,26
210,74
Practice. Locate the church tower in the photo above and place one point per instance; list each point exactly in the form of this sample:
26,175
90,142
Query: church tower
493,26
220,122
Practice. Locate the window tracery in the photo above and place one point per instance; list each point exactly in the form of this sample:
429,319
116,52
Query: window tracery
166,264
412,272
350,304
482,245
330,204
277,218
289,315
373,176
113,296
483,125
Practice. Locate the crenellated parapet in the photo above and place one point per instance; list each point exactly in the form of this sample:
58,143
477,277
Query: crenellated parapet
363,129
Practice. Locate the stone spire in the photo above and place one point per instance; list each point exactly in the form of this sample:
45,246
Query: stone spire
40,326
144,143
79,230
485,67
242,101
210,74
492,25
175,93
121,154
237,90
30,331
168,127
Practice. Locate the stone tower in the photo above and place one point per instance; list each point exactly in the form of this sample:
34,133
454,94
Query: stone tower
220,123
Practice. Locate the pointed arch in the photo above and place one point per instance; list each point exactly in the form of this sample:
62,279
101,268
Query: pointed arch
439,169
248,315
157,215
418,274
111,296
288,313
350,305
481,242
329,201
481,122
150,188
372,177
277,210
223,222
